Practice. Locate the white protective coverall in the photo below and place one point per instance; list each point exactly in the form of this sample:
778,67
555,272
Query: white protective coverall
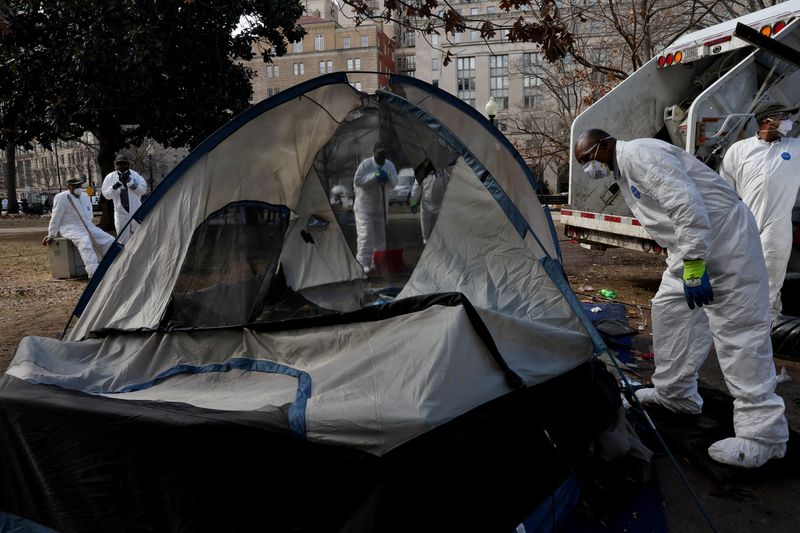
66,221
767,177
136,188
371,208
687,208
430,196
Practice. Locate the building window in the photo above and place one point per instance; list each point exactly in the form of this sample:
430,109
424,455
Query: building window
435,39
269,71
435,83
409,38
498,80
364,41
298,68
325,67
474,35
346,42
319,42
297,47
357,85
490,10
457,38
465,79
434,63
354,64
269,92
473,11
277,72
407,64
531,83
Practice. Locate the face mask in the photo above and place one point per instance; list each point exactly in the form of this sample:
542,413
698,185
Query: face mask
785,126
77,192
596,170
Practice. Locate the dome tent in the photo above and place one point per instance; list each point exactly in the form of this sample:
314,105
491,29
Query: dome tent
238,310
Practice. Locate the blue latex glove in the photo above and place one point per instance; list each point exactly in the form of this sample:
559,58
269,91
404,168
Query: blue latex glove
381,175
696,285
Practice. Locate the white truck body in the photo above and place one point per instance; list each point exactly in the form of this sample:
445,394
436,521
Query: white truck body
704,84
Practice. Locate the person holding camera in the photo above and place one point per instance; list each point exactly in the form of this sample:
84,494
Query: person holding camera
125,188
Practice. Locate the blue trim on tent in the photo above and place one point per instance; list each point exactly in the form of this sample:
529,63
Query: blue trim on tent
228,129
515,217
556,273
297,409
202,149
471,111
494,188
102,268
553,232
488,126
10,523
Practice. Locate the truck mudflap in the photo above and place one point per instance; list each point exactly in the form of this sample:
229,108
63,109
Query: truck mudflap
599,230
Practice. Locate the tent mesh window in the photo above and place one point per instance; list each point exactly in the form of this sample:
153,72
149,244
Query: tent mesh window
231,266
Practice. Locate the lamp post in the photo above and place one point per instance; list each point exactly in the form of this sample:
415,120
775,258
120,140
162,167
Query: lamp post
491,109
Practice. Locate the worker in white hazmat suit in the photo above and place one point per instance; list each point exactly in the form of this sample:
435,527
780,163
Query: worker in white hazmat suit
427,193
765,171
714,289
375,177
125,188
72,218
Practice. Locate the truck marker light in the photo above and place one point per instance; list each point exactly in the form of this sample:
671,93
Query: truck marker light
678,57
670,59
718,41
778,27
766,31
661,61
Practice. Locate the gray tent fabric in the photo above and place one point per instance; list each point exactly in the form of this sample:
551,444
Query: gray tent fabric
243,233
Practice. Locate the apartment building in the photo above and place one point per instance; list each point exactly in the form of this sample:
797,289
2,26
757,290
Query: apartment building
43,170
327,47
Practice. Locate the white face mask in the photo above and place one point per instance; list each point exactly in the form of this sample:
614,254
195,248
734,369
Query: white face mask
77,192
596,170
785,126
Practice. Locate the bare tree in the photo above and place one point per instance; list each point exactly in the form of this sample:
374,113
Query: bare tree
555,94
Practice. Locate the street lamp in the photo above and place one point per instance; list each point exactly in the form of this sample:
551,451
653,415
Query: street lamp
491,109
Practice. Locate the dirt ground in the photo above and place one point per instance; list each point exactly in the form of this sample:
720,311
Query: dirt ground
771,504
32,303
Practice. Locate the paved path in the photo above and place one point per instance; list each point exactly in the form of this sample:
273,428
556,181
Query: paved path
17,231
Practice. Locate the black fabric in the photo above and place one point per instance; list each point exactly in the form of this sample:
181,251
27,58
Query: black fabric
123,198
786,339
229,267
75,462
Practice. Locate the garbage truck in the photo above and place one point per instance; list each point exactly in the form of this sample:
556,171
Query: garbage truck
700,93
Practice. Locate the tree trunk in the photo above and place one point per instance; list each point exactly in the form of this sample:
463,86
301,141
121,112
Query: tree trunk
11,178
105,160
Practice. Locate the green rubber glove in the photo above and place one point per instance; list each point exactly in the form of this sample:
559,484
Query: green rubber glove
696,283
693,270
